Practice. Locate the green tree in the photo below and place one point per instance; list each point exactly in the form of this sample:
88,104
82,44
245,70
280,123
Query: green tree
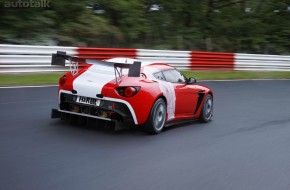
256,26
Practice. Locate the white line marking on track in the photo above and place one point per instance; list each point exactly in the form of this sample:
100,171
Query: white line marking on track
222,80
44,86
238,80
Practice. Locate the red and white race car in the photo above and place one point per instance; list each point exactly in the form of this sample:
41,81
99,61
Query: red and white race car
130,92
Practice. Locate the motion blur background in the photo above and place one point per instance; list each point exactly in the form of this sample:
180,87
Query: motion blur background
256,26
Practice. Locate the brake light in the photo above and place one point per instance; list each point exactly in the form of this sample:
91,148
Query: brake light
128,91
62,81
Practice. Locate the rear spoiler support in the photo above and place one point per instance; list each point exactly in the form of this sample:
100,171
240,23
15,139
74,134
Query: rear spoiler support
59,60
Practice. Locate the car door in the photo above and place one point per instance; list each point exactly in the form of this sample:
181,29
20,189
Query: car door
186,94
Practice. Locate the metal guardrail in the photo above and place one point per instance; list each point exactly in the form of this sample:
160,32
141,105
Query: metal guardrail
259,62
25,58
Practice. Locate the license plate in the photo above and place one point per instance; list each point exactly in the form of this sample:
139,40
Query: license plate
90,101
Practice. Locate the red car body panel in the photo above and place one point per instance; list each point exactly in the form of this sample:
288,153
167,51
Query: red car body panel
142,102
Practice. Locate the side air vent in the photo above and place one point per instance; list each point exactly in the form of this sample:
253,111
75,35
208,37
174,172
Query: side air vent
199,100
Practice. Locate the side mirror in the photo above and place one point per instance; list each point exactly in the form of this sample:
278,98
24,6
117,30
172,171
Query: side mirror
191,80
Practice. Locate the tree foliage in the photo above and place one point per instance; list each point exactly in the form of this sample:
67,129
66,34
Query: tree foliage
256,26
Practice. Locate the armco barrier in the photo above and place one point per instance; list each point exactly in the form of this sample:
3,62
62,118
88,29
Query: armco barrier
24,58
179,59
262,62
105,53
211,61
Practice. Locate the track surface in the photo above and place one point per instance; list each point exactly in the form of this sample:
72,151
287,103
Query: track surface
246,146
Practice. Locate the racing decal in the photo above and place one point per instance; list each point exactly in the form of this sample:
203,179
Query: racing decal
93,80
166,88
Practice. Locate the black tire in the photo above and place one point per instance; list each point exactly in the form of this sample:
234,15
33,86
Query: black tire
207,109
157,117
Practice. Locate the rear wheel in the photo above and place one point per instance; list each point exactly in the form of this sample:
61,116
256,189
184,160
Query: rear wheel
207,109
157,117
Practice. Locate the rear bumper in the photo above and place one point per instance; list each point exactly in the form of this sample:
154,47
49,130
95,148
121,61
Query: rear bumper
108,110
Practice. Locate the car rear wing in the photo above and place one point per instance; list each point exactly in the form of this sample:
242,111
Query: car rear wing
60,57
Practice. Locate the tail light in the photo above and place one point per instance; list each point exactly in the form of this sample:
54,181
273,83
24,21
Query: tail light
128,91
62,81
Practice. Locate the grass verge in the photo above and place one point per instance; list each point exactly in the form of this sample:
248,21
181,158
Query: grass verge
52,78
225,75
29,79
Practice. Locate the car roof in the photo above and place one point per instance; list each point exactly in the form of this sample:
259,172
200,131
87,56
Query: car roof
161,66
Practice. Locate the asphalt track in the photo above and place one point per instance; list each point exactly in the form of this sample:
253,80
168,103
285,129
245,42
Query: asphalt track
246,146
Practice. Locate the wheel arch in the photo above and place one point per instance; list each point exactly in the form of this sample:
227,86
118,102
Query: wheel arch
157,97
163,97
210,92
